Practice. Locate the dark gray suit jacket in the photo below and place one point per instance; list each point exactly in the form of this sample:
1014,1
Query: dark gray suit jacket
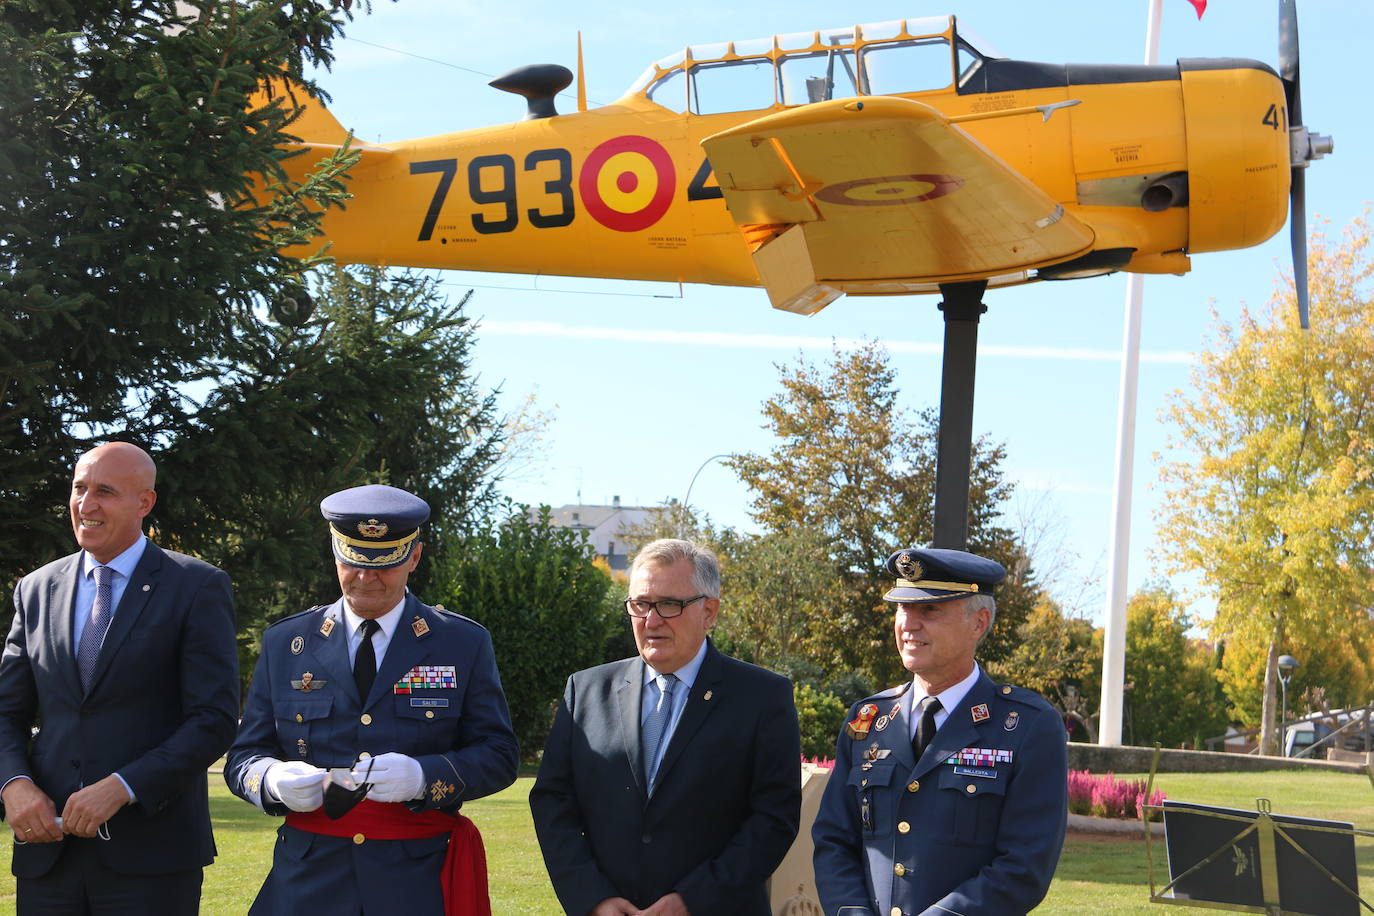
163,706
726,802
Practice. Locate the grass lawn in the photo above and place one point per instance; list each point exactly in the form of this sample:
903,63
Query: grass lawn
1096,877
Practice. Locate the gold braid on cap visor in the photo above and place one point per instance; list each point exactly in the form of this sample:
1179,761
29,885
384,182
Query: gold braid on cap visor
930,583
345,544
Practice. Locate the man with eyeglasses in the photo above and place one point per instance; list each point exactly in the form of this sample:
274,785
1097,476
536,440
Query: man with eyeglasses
670,782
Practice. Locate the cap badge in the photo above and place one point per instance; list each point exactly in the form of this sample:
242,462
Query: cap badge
909,567
372,528
980,712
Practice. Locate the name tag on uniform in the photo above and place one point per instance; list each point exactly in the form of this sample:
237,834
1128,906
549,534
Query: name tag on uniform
974,771
434,702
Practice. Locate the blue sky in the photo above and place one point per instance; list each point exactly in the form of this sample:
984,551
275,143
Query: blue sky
645,382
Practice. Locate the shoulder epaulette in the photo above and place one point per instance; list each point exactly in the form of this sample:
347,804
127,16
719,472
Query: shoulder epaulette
1020,694
892,693
318,607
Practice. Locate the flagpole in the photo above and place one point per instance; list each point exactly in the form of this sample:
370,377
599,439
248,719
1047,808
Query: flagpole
1118,560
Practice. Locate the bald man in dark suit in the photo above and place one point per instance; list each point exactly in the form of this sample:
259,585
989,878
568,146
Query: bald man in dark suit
124,654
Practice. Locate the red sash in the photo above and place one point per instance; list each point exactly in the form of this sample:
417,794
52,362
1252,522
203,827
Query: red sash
464,875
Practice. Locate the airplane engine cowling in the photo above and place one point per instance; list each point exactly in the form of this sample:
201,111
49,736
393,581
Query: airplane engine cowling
1238,171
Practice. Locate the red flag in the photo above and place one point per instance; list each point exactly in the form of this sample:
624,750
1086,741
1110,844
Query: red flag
1200,6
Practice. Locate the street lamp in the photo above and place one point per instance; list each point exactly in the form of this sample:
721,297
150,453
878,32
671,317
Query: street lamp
1286,665
687,500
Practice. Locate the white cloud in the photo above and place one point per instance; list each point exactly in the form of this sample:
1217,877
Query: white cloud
730,340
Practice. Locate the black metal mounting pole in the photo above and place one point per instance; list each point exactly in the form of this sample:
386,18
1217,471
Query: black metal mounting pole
963,306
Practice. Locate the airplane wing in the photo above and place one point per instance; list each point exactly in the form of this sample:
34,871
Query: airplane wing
880,195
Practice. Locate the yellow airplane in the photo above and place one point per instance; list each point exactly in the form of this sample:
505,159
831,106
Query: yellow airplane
889,158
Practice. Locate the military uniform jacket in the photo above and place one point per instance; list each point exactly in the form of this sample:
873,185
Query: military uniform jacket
973,828
437,698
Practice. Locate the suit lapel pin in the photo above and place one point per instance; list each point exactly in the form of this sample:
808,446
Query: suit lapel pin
980,713
707,695
419,626
327,627
297,645
147,588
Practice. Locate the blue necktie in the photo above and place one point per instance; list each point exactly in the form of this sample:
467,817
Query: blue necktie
656,724
88,652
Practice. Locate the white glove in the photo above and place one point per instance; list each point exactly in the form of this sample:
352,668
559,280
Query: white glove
296,784
394,777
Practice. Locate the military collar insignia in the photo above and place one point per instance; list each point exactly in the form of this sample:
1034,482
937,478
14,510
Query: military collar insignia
419,626
980,713
328,627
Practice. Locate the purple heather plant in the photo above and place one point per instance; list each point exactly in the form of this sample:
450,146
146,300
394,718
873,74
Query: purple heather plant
1103,795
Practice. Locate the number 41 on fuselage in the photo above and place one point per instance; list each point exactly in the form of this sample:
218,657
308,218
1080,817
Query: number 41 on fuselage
877,159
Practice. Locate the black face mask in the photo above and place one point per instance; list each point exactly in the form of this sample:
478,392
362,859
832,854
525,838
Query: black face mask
339,799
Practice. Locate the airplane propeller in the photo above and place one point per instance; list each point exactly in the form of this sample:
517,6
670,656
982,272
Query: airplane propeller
1303,146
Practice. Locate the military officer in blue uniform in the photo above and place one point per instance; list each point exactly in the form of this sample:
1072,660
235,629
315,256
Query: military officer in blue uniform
381,697
950,792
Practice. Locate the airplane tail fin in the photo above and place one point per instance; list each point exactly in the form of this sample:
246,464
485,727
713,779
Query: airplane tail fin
316,127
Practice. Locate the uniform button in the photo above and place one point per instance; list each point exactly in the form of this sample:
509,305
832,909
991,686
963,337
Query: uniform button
903,827
896,911
899,869
429,714
364,756
914,786
300,718
358,839
647,838
366,719
970,788
1006,690
863,782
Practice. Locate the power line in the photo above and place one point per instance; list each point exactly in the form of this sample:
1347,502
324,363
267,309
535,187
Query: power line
444,63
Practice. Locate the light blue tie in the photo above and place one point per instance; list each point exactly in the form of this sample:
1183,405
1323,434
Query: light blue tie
94,634
656,723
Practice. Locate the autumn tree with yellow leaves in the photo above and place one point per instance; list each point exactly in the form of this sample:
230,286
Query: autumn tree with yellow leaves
1271,501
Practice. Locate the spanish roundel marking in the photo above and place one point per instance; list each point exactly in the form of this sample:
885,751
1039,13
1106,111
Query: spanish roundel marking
627,183
890,190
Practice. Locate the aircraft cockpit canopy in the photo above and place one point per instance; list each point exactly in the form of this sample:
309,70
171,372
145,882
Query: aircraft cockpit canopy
899,57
